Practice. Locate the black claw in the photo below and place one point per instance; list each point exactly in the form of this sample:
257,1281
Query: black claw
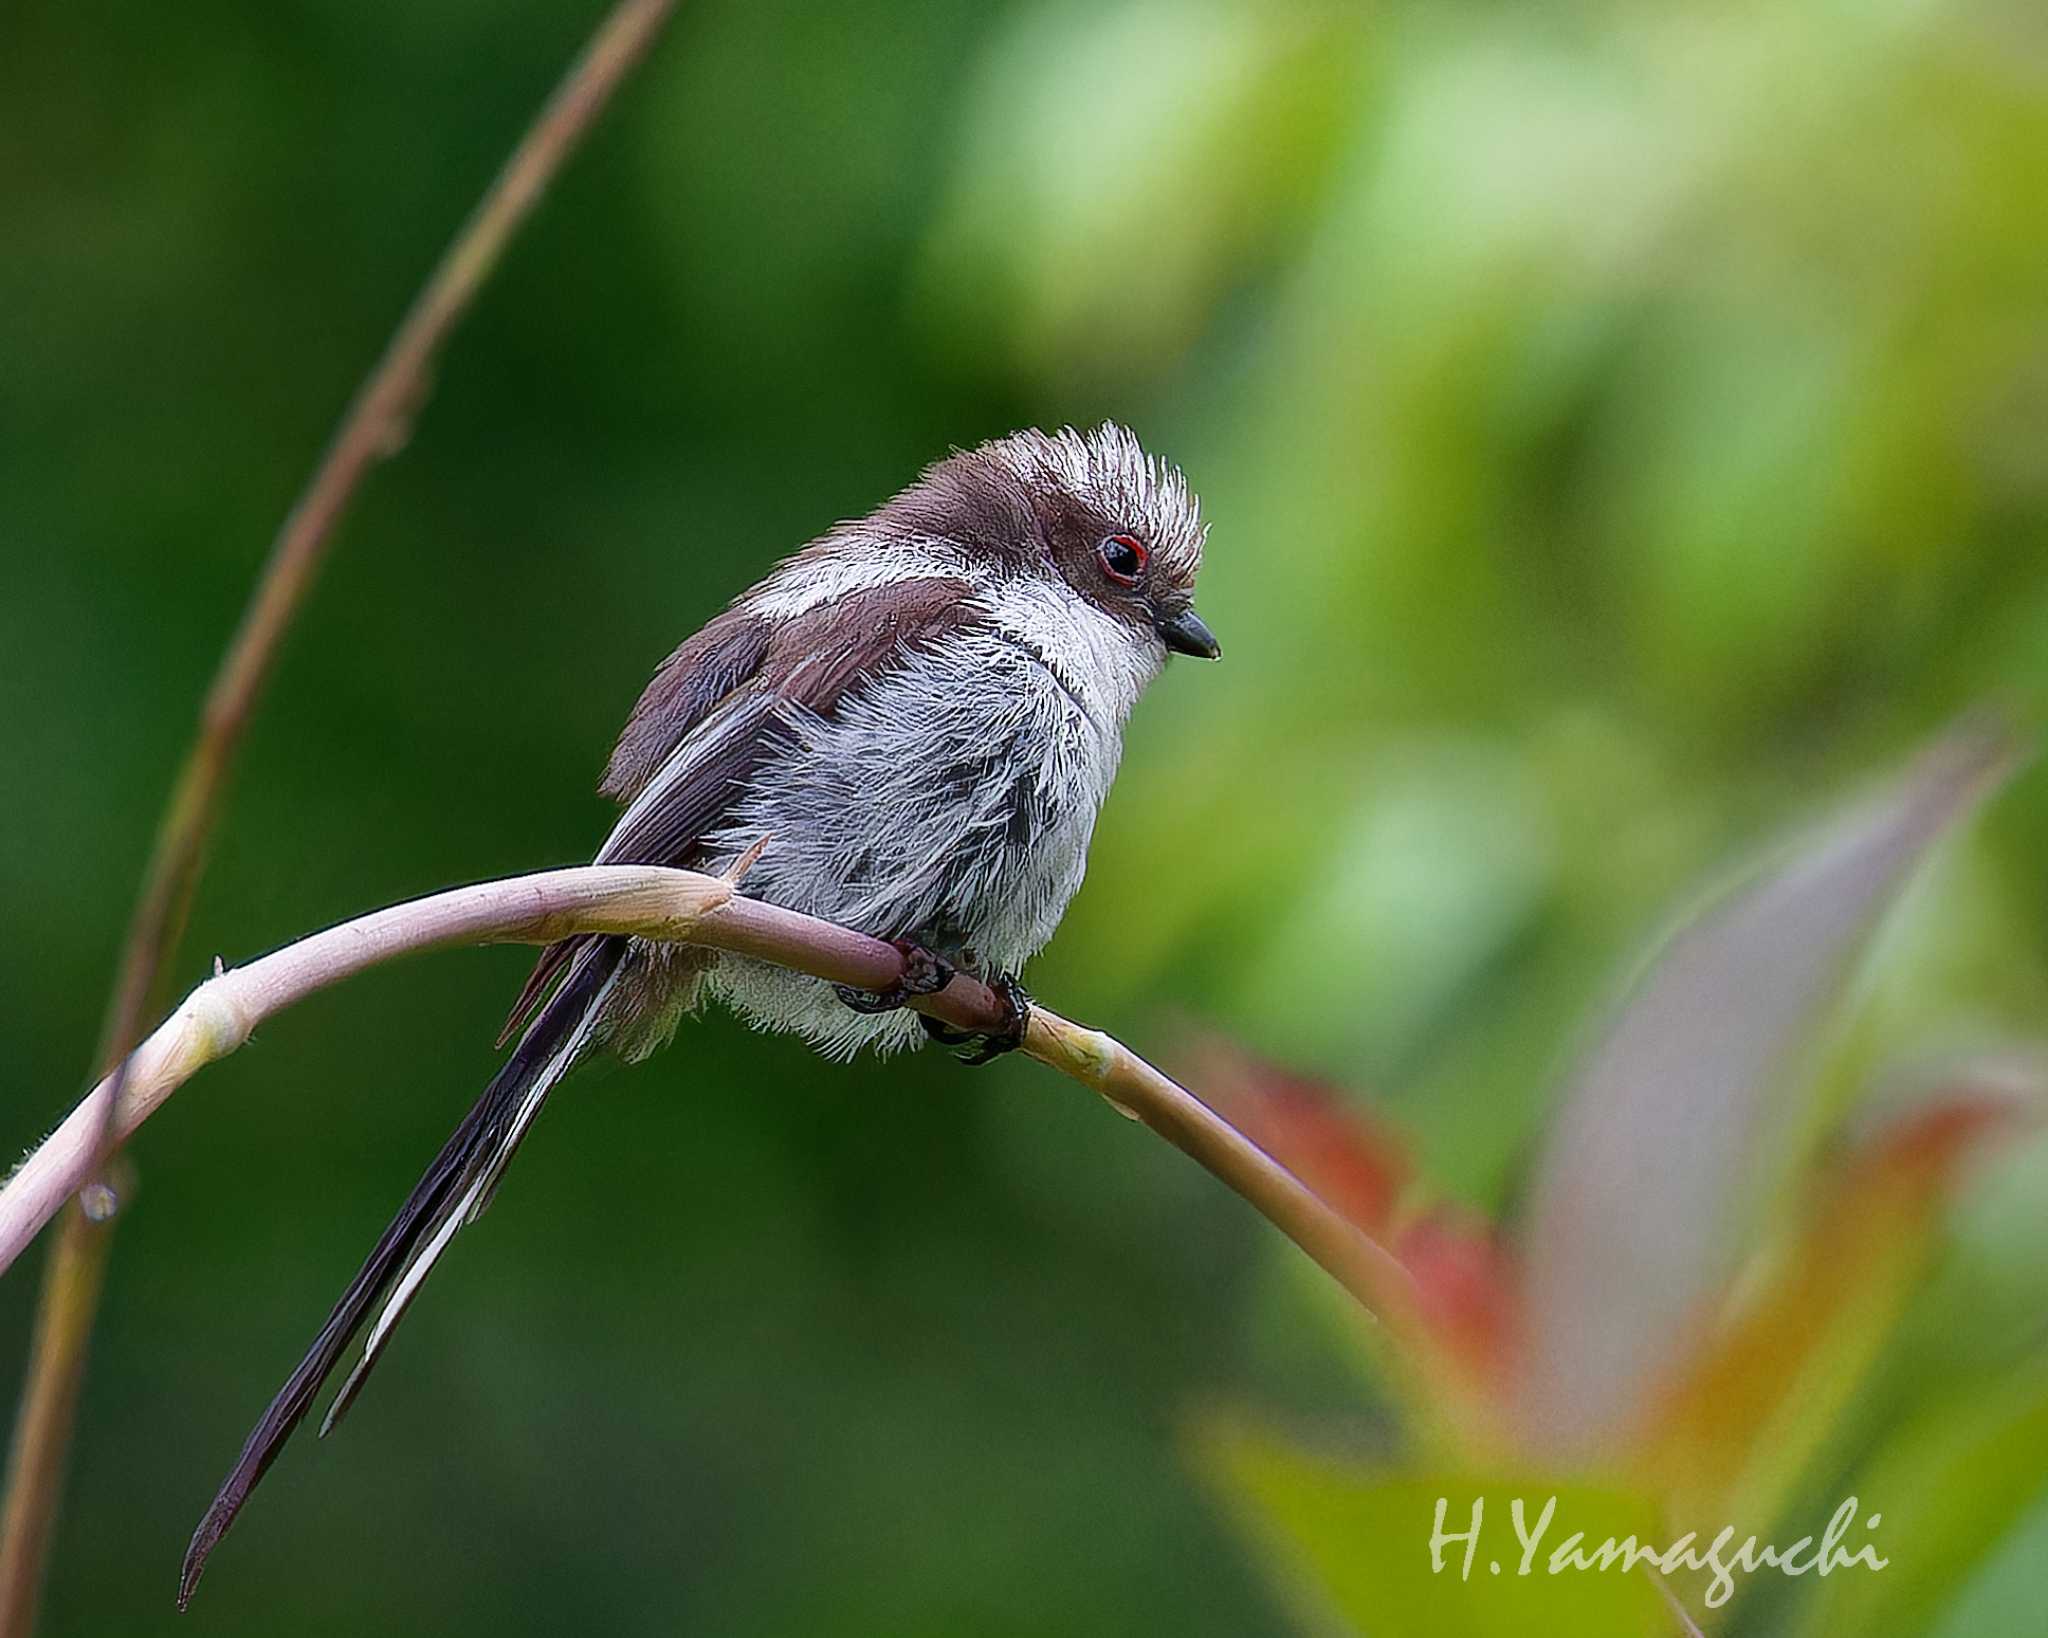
923,974
985,1048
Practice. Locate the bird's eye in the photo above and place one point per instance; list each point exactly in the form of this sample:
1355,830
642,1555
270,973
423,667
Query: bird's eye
1122,558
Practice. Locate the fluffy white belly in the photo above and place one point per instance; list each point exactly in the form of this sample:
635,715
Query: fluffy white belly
952,803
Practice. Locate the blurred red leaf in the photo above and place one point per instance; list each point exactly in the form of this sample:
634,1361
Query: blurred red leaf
1459,1324
1465,1288
1356,1162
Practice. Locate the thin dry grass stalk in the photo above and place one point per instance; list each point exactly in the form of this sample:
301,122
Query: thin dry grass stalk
374,428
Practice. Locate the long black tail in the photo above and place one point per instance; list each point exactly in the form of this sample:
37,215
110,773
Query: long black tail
453,1190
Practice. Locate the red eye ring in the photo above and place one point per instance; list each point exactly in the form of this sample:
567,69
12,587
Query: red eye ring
1123,558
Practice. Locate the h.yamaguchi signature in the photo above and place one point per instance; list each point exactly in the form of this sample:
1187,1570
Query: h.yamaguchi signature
1722,1555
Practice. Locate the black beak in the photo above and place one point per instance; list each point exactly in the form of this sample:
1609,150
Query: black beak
1185,634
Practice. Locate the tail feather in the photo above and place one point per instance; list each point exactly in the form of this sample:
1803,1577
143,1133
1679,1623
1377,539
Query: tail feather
553,962
453,1191
470,1204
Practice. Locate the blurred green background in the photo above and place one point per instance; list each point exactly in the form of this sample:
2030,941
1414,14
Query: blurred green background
1623,426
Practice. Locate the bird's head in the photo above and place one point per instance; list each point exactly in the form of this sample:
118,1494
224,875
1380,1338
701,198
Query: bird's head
1118,526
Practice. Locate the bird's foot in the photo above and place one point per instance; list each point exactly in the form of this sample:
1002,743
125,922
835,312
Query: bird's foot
923,974
982,1048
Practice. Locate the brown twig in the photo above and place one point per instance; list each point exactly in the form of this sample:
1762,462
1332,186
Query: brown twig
374,427
684,907
49,1399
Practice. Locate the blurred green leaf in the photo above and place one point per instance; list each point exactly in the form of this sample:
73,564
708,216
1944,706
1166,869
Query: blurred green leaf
1366,1552
1124,164
1948,1489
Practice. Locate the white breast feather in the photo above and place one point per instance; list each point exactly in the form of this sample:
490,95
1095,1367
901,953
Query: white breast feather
953,800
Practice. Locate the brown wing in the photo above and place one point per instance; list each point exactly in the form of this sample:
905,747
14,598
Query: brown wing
719,705
685,689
